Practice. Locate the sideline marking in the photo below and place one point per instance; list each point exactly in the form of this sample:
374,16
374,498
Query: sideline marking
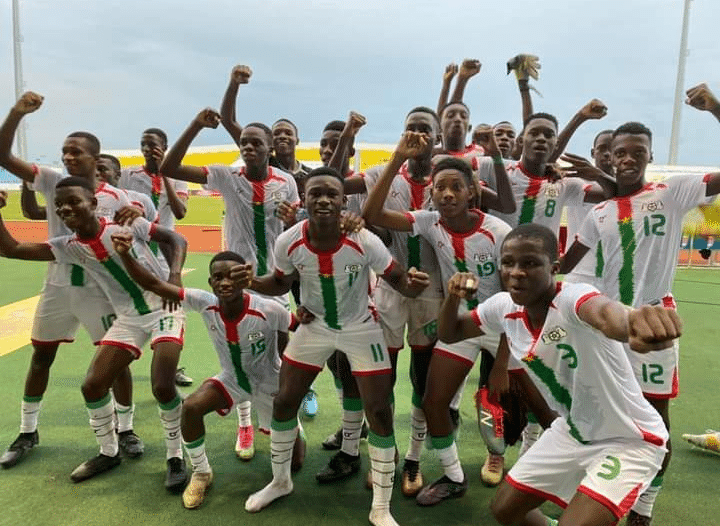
16,320
16,324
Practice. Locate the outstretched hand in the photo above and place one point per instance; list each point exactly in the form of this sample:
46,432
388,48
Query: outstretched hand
450,71
412,144
287,213
580,167
243,275
127,214
350,222
28,102
524,66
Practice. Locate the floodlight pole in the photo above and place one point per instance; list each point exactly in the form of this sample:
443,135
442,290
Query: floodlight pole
679,87
19,84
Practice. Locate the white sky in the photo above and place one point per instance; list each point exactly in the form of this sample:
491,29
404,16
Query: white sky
116,67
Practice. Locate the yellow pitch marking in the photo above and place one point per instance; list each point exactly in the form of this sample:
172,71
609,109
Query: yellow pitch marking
15,324
16,321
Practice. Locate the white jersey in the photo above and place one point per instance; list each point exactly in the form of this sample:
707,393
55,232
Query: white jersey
472,153
145,203
334,285
540,200
246,346
639,238
110,200
582,374
251,224
409,250
138,179
586,269
476,251
100,260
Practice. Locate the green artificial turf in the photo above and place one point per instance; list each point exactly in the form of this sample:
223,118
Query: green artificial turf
39,491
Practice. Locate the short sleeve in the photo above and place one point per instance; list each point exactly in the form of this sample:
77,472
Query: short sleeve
45,179
588,235
61,251
571,297
278,317
486,172
142,229
378,256
181,187
422,221
218,177
198,300
281,249
688,190
490,314
574,189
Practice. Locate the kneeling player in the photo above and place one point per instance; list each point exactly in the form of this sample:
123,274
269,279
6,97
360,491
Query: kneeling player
253,335
609,443
140,317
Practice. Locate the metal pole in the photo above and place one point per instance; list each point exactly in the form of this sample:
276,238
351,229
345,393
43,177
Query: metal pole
19,84
679,87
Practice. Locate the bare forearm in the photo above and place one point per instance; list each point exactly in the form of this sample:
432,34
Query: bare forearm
526,99
448,325
8,161
341,156
227,112
270,285
506,199
444,93
177,206
372,210
171,165
29,205
459,91
565,135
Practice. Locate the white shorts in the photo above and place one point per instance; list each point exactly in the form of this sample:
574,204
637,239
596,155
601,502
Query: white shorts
62,309
132,332
657,371
234,394
466,351
362,342
611,472
397,311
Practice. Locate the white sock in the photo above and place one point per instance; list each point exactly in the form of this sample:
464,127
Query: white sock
447,451
646,501
170,417
418,432
244,411
198,458
282,441
125,416
101,421
352,426
382,462
29,413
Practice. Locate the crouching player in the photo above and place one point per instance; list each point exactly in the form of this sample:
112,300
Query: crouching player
249,334
333,269
140,317
609,443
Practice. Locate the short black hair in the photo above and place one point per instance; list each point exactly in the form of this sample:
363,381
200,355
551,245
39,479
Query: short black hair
324,170
600,134
227,255
503,122
536,231
633,128
452,103
334,126
75,180
114,160
291,123
159,133
453,163
542,115
424,109
263,127
91,139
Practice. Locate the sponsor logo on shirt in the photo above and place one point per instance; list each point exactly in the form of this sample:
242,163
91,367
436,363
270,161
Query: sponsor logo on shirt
352,269
255,336
653,206
552,191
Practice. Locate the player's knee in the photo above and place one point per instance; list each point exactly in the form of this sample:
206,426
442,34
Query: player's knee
500,509
164,391
379,415
43,356
94,388
191,410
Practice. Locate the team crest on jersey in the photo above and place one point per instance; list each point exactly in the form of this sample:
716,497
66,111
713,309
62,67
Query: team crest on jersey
653,206
482,258
278,196
255,336
554,335
552,191
352,269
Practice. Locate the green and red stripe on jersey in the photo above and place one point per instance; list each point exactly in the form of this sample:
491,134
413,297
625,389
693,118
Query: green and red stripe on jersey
233,340
527,208
626,277
117,271
156,192
417,199
259,225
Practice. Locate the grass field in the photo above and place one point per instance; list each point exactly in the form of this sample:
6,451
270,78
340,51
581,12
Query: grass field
39,491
